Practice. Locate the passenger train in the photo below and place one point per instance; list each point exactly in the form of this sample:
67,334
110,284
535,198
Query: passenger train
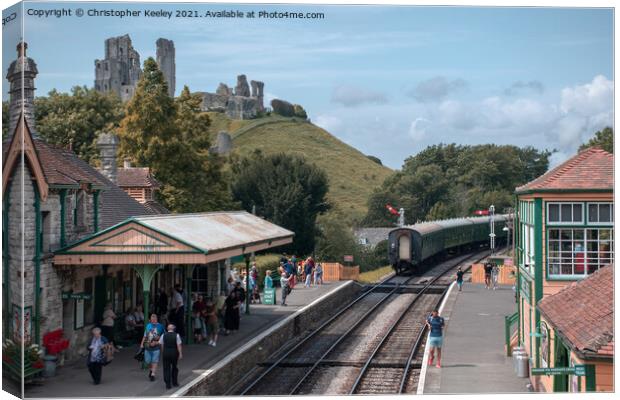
412,247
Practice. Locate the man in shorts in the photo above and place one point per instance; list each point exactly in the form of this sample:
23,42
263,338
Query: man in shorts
150,343
435,324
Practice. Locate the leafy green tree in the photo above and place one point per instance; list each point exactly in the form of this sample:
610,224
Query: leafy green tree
445,181
75,119
603,139
334,237
286,190
172,138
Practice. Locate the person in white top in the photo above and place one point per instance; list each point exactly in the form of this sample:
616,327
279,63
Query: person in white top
107,325
179,310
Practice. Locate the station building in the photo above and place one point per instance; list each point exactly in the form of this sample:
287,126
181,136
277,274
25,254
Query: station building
563,234
74,241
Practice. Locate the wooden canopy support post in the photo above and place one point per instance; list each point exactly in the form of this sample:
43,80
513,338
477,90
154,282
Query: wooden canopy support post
146,274
189,332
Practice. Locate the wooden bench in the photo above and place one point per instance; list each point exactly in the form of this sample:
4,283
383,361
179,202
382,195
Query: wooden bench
14,370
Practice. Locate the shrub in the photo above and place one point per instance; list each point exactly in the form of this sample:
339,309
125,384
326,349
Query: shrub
300,112
263,263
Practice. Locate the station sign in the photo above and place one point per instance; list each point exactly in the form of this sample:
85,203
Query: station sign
76,296
578,369
269,296
348,258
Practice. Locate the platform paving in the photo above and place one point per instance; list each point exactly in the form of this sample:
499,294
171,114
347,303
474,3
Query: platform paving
474,358
125,378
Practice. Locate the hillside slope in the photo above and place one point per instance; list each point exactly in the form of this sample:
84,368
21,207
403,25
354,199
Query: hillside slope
352,176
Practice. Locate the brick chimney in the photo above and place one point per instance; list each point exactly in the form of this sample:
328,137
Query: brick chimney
107,143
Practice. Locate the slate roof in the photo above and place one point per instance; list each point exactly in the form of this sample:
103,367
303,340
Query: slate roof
584,313
591,169
155,207
136,177
116,205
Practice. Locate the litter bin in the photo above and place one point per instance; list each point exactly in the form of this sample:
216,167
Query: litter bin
517,351
523,366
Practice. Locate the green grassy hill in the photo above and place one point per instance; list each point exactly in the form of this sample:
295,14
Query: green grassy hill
352,176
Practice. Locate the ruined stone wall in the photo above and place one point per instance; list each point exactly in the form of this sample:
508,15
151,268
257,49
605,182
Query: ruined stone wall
165,60
120,70
242,103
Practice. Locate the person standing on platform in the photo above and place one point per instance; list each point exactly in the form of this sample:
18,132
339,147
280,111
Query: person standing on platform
96,355
212,323
268,280
107,325
459,278
308,269
435,323
240,290
285,286
488,269
179,315
231,315
150,343
494,275
172,351
318,275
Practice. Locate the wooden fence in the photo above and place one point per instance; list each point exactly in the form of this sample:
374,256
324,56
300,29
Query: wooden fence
338,272
506,274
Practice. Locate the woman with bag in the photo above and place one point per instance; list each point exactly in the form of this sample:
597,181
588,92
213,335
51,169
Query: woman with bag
285,283
97,355
231,315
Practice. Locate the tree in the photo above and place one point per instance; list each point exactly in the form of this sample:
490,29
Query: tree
75,119
286,190
446,181
171,137
603,139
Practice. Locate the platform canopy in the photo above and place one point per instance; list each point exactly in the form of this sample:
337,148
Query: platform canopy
176,239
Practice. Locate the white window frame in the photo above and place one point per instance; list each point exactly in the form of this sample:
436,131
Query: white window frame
560,204
598,204
561,258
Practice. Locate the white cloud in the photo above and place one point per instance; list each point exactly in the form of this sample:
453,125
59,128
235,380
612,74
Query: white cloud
436,88
353,96
418,129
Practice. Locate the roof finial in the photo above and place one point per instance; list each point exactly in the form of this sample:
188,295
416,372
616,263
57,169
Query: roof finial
21,49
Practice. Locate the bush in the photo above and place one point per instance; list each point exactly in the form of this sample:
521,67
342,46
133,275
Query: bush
300,112
263,263
283,108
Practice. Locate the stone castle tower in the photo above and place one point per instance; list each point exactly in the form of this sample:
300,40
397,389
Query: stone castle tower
165,60
120,70
17,103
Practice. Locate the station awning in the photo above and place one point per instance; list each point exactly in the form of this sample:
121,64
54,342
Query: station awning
176,239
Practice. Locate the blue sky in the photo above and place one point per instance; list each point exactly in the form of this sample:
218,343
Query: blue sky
387,80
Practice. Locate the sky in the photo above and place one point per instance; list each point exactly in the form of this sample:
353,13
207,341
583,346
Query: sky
387,80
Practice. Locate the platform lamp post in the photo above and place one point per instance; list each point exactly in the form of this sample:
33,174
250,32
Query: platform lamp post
507,230
492,223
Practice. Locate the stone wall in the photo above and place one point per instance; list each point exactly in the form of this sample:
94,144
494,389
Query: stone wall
165,60
120,70
242,103
295,327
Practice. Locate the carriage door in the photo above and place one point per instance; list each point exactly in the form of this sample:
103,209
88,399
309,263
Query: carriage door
404,247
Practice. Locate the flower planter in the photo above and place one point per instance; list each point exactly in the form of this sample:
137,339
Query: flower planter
50,365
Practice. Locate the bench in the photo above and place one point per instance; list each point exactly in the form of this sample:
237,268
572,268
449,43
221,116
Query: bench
14,370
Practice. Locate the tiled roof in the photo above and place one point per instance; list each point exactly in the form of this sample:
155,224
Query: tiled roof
155,208
136,177
592,169
373,235
116,205
584,313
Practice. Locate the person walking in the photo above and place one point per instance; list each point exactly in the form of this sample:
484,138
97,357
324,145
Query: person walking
435,324
285,286
459,278
212,323
488,269
96,355
172,351
150,343
494,275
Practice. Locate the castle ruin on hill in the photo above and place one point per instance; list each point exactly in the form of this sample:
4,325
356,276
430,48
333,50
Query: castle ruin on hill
120,70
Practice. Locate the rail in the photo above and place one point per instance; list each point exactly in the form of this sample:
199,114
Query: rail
509,321
320,328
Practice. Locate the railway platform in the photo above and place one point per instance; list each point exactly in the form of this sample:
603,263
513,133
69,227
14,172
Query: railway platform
473,356
124,377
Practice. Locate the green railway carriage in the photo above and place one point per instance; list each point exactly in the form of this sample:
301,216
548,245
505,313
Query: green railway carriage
411,247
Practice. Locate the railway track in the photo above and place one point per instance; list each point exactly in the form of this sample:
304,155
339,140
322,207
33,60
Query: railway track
349,353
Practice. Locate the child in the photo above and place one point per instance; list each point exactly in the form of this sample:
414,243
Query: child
198,328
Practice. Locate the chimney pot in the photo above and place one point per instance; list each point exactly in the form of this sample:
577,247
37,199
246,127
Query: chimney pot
127,163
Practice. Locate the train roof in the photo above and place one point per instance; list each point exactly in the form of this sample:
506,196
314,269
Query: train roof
432,226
